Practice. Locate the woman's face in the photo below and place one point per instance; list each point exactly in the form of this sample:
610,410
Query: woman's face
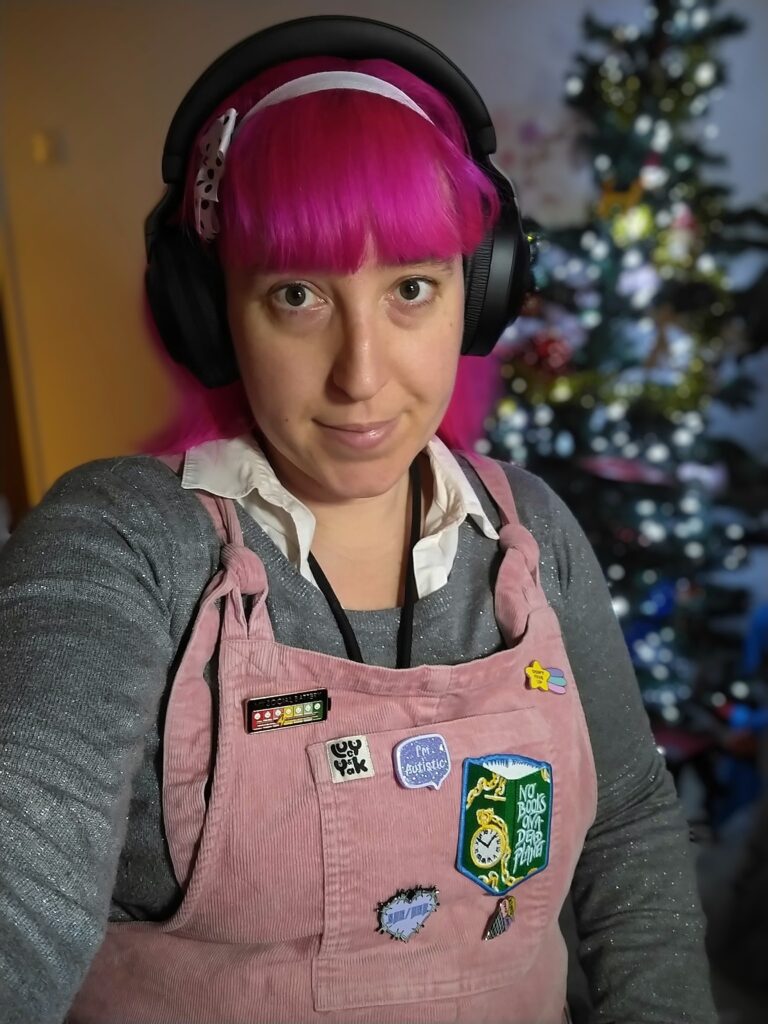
348,376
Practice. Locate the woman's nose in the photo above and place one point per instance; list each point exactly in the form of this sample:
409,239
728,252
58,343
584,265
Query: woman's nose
360,364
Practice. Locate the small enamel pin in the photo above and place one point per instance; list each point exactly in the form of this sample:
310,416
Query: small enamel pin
540,678
501,918
280,710
422,761
404,914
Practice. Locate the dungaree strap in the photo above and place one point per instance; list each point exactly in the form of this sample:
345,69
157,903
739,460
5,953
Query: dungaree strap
190,717
517,590
221,511
512,533
496,483
237,562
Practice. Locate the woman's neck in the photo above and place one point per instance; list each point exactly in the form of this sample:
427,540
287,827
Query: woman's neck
363,546
363,523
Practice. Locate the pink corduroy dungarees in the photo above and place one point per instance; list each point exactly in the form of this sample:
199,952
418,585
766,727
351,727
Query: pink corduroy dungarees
284,868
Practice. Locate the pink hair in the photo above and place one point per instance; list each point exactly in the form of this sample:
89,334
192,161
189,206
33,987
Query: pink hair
311,185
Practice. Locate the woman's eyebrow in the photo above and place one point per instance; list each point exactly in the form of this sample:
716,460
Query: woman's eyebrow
445,265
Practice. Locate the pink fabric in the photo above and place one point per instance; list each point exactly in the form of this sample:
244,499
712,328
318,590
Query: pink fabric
283,869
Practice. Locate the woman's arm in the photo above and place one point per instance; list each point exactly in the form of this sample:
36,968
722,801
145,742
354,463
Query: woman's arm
634,892
86,609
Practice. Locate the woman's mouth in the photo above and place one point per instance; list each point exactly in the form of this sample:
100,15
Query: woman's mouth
359,436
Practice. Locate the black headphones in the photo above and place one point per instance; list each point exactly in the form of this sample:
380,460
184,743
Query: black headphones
184,280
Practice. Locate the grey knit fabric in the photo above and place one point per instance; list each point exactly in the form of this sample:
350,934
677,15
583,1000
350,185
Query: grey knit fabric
98,590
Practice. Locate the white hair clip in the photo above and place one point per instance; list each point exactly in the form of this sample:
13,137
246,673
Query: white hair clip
213,149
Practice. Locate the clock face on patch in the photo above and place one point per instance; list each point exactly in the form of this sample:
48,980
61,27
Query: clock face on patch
485,846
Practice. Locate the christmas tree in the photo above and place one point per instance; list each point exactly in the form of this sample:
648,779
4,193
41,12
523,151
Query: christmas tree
609,375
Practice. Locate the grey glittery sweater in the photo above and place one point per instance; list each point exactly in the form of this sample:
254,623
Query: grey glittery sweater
98,589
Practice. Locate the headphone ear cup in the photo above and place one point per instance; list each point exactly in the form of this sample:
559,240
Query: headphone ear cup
496,279
187,296
476,268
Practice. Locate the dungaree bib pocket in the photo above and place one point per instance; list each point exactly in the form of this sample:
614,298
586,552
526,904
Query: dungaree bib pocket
380,837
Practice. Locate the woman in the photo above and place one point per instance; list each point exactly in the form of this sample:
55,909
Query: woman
295,723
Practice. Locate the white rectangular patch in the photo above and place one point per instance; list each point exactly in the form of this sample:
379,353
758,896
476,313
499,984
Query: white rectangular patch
349,758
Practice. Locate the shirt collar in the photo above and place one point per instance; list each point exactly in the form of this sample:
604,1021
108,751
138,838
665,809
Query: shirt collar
233,468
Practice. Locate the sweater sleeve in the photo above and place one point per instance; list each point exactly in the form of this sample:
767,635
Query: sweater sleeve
85,624
634,892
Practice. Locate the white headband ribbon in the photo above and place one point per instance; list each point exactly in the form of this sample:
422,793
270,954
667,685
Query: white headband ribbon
216,141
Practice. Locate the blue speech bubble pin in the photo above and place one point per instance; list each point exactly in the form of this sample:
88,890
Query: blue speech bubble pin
422,761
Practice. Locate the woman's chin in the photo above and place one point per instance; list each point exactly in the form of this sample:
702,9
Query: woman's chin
333,482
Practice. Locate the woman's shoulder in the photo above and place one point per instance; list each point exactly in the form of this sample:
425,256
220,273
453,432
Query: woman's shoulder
535,500
121,486
111,506
116,472
564,550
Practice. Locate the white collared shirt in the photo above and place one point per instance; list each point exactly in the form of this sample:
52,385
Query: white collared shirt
238,469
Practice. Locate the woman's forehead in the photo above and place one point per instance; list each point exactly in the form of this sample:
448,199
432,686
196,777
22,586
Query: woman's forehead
370,267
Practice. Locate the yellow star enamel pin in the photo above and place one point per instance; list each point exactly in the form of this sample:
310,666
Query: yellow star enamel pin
538,676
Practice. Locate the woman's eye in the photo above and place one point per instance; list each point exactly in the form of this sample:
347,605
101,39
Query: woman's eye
294,296
416,291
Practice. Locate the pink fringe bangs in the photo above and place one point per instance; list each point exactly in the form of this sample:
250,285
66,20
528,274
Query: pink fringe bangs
320,181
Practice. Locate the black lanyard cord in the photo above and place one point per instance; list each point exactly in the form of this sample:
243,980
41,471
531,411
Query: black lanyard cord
345,627
405,630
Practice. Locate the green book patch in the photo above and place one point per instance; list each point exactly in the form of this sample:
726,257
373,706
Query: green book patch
506,813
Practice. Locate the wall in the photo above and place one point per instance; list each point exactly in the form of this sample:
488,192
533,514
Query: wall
87,91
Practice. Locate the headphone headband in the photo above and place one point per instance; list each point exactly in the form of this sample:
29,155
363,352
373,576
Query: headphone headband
343,36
